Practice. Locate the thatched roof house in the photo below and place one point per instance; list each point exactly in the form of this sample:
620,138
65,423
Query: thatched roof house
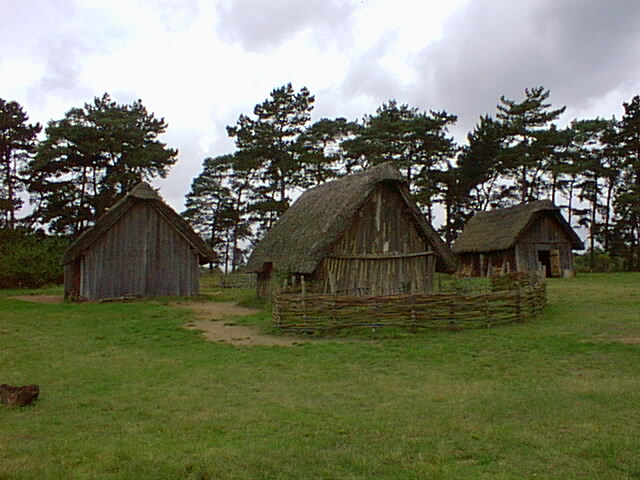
361,233
139,247
521,238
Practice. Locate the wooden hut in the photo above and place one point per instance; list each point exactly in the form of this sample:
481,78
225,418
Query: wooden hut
139,247
528,237
359,235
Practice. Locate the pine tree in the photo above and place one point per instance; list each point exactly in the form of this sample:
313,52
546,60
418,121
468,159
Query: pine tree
18,141
218,207
321,152
528,142
479,164
612,167
416,142
590,162
627,200
91,158
270,139
208,199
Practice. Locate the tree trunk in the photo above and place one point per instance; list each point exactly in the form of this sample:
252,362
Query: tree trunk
607,215
570,212
10,193
592,227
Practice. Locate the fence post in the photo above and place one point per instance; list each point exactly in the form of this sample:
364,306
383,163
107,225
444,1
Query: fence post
275,310
487,313
303,285
413,323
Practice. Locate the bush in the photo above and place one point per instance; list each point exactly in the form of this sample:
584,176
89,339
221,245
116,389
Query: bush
30,260
603,262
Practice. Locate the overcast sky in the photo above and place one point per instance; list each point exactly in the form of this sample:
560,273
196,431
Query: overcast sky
202,63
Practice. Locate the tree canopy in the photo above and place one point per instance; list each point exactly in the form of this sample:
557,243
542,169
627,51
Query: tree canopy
626,228
527,143
91,158
96,153
18,141
269,139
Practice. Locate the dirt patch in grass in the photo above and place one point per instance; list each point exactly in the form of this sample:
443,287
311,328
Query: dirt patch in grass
217,310
39,298
215,321
626,339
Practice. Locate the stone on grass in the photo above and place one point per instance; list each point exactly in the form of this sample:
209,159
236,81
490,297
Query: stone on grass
18,396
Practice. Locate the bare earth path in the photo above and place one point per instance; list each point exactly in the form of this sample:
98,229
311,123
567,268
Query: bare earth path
214,320
39,298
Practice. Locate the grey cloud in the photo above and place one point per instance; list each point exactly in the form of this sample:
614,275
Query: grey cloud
367,77
22,24
594,45
63,58
258,25
56,37
368,81
193,147
579,49
175,16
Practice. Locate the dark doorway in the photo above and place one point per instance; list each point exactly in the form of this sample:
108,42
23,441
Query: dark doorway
545,259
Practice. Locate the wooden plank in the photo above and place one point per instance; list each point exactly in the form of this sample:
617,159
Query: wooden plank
554,257
376,256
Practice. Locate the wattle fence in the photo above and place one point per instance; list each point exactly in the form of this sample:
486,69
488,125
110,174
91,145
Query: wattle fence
511,298
238,280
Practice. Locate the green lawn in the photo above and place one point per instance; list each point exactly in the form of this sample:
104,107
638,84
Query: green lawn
127,393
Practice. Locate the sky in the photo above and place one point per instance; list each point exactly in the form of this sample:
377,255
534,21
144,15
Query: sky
200,64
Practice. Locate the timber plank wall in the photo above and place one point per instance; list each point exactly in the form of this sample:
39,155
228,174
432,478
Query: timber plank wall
140,255
545,233
381,253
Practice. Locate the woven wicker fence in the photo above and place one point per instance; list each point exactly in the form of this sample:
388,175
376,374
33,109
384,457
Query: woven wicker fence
512,298
238,280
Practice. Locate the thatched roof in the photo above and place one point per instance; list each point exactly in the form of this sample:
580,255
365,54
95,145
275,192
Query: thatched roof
308,229
500,229
140,193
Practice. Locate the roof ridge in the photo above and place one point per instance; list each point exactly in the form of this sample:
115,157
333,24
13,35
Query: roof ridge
145,193
500,228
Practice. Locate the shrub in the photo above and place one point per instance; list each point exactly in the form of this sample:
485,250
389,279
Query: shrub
30,260
602,262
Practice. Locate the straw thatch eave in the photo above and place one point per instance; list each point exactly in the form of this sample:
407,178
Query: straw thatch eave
140,193
305,233
500,229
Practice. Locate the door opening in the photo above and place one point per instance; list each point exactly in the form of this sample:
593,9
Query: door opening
545,260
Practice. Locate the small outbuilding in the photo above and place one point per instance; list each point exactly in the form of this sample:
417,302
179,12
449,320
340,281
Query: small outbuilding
525,238
359,235
139,247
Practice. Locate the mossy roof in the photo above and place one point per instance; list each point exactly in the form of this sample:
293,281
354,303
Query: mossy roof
500,229
305,233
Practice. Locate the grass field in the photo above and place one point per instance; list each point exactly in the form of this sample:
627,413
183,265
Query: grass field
127,393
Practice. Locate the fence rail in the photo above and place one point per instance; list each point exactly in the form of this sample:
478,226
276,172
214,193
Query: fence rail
238,280
514,297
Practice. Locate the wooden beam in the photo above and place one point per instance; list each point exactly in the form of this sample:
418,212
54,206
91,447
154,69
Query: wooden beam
376,256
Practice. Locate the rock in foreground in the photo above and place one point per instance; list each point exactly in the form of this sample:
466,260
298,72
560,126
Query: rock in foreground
18,396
